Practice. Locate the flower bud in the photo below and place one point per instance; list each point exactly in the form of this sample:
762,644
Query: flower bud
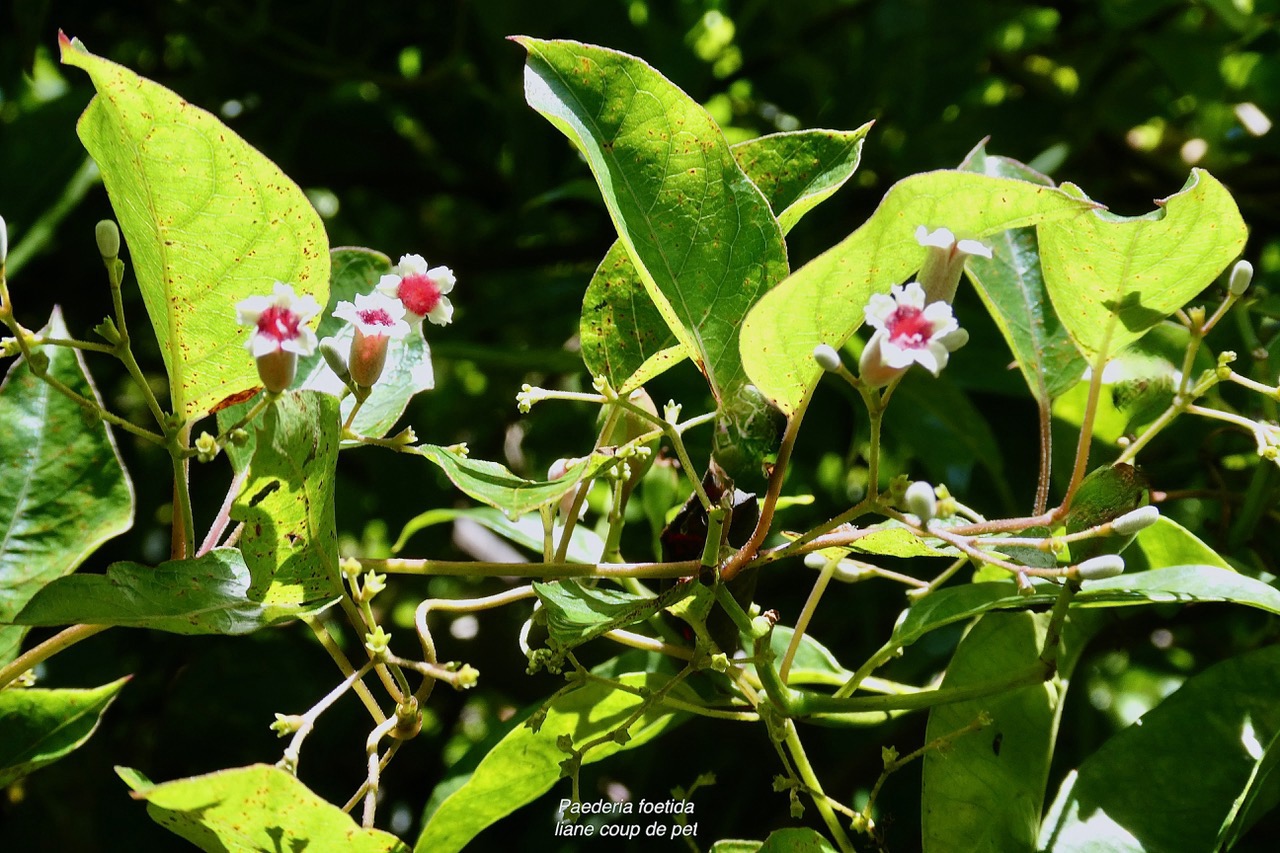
827,357
1135,520
1241,277
921,500
108,236
368,358
334,359
4,241
1099,568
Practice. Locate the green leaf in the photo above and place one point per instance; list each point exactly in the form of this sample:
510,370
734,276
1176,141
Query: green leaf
585,546
1011,285
63,487
206,595
254,808
796,839
290,539
893,539
1111,278
813,662
209,221
1167,543
526,764
576,614
699,232
408,371
495,485
40,726
1147,787
1159,586
823,301
987,788
624,337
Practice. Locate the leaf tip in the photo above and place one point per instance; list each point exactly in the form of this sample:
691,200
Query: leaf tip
68,45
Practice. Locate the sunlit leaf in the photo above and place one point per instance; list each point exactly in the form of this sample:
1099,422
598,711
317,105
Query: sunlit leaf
208,220
823,301
699,232
1112,278
63,487
290,539
40,726
585,546
259,807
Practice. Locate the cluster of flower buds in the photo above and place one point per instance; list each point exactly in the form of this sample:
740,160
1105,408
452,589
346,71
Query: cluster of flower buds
402,299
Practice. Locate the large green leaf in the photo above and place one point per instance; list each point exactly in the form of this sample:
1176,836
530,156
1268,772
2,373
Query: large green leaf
408,371
1171,584
577,613
40,726
985,792
1168,543
699,232
624,337
290,539
1111,278
1184,776
526,764
259,807
1011,285
208,220
496,486
205,595
63,487
823,301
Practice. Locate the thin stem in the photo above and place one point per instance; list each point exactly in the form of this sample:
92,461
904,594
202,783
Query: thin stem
184,534
1045,409
293,752
944,576
1086,431
747,552
810,780
806,614
35,655
223,518
382,765
463,568
375,769
71,343
344,666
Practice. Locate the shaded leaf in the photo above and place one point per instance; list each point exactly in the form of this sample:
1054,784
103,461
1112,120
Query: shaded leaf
40,726
1168,543
254,808
209,594
813,662
796,839
576,613
1146,788
823,301
1011,285
63,487
1112,278
699,232
209,221
290,539
526,764
985,792
408,371
1167,585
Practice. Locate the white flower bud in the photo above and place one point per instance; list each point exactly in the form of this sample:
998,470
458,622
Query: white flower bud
1098,568
107,233
1135,520
921,500
827,357
1241,276
815,560
4,240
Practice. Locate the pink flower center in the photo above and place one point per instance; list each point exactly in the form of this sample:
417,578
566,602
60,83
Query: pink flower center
419,294
279,324
376,317
908,328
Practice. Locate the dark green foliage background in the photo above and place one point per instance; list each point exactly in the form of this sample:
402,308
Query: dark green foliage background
439,155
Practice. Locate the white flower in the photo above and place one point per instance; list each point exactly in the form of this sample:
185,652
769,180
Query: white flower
945,240
908,332
378,319
375,314
278,321
422,290
944,262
